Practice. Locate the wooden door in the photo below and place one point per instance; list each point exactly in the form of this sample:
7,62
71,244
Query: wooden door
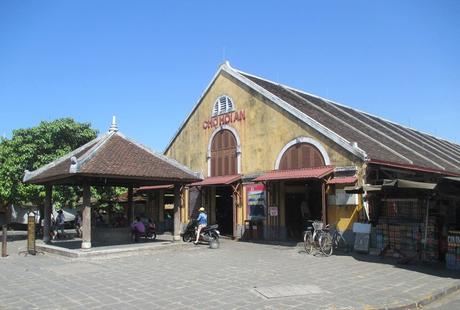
223,154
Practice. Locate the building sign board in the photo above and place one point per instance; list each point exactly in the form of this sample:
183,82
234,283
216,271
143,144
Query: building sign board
224,119
31,233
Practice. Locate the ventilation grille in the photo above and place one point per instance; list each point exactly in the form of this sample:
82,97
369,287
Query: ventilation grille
223,104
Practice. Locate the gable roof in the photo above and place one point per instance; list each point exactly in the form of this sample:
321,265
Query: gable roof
366,136
112,158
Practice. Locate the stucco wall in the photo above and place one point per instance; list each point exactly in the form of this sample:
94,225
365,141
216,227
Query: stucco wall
264,132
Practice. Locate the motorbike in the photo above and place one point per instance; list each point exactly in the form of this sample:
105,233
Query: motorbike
208,234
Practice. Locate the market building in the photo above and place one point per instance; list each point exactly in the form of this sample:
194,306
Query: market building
272,156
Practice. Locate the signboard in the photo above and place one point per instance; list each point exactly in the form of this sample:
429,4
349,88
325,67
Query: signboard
31,233
361,242
273,211
256,201
224,119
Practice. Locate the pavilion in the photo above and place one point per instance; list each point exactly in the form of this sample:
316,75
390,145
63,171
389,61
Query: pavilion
110,160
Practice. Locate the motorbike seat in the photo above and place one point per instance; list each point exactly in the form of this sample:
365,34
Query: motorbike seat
211,227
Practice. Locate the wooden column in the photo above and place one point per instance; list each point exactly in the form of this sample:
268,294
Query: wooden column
130,205
47,213
86,218
323,202
161,207
177,200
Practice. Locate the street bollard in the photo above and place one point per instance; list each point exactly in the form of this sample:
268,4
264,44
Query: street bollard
4,254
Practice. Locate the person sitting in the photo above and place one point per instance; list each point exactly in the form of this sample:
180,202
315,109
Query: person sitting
202,223
138,229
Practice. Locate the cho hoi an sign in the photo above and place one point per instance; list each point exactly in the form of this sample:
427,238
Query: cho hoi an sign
224,119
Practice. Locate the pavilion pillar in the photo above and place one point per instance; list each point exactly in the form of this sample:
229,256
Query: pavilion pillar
86,217
130,205
47,213
177,201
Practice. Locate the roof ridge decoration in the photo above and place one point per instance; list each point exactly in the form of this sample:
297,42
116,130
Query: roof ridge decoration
30,174
162,157
75,167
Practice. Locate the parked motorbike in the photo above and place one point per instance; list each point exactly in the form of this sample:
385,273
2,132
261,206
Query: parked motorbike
208,234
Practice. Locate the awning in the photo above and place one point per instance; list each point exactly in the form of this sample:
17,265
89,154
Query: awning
343,180
359,189
220,180
296,174
399,183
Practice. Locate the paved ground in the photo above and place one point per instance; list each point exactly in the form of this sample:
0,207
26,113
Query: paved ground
450,302
235,276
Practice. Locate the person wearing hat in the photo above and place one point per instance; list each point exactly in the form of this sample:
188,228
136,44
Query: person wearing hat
202,222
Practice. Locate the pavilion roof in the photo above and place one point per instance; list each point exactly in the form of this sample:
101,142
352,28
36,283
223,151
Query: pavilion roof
112,159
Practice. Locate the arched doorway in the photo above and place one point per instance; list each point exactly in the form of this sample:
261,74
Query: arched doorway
223,154
303,198
224,162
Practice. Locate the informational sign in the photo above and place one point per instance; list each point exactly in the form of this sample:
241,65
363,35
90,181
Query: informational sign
31,233
273,211
256,201
361,242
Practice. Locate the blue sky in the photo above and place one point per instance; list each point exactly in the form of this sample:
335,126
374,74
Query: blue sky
147,62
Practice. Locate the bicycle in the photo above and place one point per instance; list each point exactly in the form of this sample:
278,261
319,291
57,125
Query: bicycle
333,242
318,237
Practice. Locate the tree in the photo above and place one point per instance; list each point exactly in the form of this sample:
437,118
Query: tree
32,148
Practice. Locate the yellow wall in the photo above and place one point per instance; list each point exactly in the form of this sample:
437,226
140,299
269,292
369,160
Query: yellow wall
264,132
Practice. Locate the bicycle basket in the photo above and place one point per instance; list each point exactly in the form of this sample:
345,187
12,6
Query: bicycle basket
317,225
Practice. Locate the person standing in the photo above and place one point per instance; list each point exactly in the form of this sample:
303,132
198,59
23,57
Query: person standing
202,222
78,223
60,220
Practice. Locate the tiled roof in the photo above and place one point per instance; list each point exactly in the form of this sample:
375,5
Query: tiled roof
381,140
343,180
293,174
113,157
219,180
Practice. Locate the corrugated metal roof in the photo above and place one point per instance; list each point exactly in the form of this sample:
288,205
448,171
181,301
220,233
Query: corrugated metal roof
305,173
219,180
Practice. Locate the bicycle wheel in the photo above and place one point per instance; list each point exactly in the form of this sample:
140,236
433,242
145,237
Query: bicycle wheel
308,242
325,244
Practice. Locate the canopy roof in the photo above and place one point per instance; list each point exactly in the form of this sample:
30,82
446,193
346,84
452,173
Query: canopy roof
219,180
295,174
343,180
112,159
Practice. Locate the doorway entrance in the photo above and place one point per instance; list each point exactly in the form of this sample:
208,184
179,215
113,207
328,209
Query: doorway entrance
224,210
303,202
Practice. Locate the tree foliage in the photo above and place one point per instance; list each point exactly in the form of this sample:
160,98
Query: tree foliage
31,148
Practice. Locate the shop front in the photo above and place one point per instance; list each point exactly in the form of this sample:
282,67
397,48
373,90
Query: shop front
292,154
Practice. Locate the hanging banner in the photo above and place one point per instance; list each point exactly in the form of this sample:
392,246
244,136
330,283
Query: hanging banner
256,201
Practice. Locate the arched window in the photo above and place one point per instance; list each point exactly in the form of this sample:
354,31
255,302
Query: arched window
223,104
301,155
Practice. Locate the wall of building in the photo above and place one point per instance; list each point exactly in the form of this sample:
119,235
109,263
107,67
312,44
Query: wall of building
263,133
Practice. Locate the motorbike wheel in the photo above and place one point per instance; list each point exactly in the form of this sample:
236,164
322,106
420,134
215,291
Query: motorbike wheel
214,236
186,237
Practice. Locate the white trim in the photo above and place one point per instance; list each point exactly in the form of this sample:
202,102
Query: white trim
238,146
31,174
298,140
350,126
299,114
194,107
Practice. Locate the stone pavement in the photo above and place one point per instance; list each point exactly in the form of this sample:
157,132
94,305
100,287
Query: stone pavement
236,276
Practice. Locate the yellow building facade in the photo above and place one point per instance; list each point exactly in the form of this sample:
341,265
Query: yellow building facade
259,133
